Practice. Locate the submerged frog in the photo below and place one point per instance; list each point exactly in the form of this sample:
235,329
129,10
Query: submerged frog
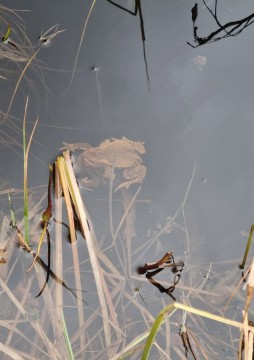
102,161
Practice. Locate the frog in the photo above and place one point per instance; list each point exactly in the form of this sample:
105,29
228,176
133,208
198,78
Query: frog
111,155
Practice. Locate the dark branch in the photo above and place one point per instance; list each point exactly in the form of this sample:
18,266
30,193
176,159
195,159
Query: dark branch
232,28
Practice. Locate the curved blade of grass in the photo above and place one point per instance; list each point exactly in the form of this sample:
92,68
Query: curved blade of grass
155,328
248,245
7,34
171,308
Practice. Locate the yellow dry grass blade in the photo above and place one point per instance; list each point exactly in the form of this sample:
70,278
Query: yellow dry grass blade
38,248
66,186
211,316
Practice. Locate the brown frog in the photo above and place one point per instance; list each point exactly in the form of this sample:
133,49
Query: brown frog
116,154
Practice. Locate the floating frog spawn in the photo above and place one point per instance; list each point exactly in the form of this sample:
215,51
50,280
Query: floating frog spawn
115,159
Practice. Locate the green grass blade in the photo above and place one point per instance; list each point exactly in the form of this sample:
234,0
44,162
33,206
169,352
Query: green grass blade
247,248
8,32
155,328
67,339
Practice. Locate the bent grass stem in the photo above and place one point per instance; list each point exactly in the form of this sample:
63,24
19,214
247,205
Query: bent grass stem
247,248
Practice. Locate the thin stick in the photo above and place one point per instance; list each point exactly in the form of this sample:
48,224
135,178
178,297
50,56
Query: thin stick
26,223
125,214
36,326
12,353
111,204
183,212
26,152
17,85
79,47
17,317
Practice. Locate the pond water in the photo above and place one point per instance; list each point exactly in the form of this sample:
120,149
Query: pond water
94,72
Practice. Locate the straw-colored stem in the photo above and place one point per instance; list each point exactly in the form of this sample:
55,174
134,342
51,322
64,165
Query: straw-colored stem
26,148
26,222
58,242
98,275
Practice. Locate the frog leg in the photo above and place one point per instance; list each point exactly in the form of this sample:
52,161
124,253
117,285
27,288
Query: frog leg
93,182
133,175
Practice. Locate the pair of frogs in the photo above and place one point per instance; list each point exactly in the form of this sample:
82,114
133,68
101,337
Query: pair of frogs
101,162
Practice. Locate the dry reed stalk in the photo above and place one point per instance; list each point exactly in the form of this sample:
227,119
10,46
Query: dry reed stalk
110,201
97,271
128,205
179,352
145,312
78,284
67,197
162,352
250,348
168,333
64,177
58,243
12,353
17,317
49,306
35,325
183,205
235,290
199,346
210,316
247,333
132,345
14,329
